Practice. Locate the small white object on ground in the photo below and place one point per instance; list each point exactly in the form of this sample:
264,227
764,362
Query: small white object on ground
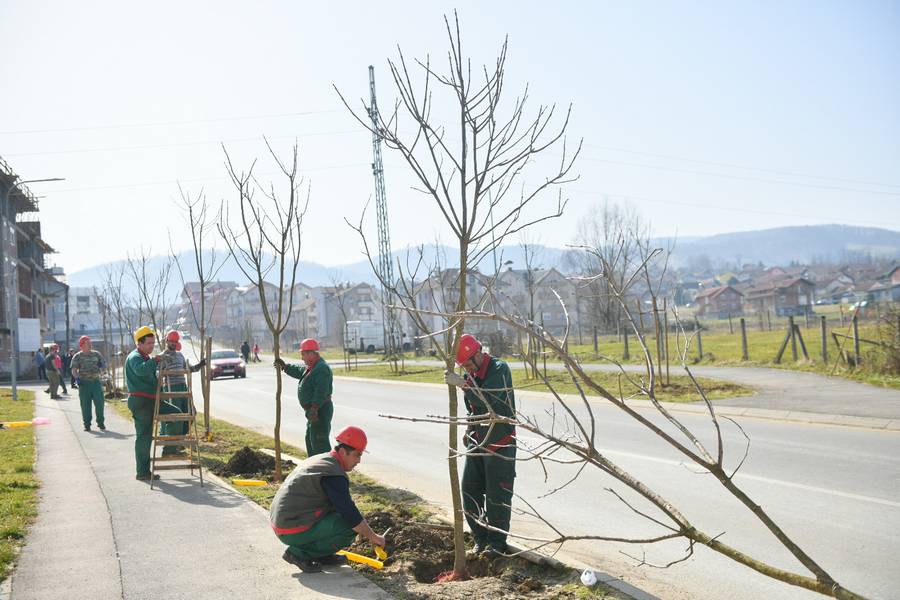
588,578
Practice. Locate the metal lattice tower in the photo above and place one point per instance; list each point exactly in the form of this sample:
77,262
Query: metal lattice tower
385,265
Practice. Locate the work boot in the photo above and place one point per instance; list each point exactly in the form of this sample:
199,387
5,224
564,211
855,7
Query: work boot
146,477
47,391
87,427
101,427
333,559
305,565
496,551
475,552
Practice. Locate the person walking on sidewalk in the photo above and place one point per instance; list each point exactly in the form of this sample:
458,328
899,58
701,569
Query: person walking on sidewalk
39,362
256,352
490,469
140,378
245,351
314,392
87,366
73,380
173,359
50,363
60,363
313,512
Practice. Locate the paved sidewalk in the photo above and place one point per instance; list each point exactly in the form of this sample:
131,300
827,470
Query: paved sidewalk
101,534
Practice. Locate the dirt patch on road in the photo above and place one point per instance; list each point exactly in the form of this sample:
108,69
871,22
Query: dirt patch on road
421,554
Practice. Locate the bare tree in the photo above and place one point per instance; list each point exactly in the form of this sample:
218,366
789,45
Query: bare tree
340,300
151,289
266,241
207,264
473,169
570,438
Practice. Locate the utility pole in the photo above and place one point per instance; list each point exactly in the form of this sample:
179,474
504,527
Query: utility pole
385,264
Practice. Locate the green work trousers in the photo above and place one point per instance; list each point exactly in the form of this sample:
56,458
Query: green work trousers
91,391
142,410
487,490
328,535
318,434
175,427
53,377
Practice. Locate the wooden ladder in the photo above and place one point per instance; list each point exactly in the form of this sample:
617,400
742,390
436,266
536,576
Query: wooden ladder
190,440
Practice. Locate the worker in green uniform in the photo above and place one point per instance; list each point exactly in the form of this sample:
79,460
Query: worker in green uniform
313,512
314,393
87,365
140,378
490,469
173,359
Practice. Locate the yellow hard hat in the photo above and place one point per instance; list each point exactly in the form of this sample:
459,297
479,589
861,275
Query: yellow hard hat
141,332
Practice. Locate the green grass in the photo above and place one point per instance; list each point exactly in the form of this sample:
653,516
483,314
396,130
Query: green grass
679,389
18,485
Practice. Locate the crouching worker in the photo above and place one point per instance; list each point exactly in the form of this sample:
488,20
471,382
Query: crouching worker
313,512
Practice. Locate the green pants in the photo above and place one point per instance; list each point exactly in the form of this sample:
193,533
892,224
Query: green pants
487,490
91,391
142,411
53,377
318,434
327,536
175,427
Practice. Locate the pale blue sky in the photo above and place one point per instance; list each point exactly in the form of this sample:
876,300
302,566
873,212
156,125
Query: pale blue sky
709,116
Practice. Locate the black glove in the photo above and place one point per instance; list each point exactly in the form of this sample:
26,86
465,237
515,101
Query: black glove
279,364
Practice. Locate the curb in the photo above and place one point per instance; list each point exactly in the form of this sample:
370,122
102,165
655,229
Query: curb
790,416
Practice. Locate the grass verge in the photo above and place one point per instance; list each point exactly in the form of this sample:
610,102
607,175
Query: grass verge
18,485
680,388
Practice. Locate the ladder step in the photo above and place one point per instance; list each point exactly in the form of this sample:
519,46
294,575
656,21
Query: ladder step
184,442
176,417
171,458
165,395
173,467
169,372
187,436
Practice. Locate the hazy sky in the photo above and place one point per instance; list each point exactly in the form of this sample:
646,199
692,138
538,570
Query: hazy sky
709,117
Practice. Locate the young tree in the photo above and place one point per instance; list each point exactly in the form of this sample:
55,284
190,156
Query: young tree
207,264
151,289
472,166
264,242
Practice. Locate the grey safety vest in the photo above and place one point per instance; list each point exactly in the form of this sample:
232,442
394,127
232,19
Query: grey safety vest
300,500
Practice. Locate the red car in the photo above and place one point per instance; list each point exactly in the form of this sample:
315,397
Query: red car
226,363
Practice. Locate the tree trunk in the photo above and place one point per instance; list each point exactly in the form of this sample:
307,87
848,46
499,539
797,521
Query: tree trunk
276,349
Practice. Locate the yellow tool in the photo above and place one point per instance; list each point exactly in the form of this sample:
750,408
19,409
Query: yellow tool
365,560
12,424
256,482
380,553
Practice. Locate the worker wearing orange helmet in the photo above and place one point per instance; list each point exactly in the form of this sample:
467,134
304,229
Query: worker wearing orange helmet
172,359
313,512
314,392
490,469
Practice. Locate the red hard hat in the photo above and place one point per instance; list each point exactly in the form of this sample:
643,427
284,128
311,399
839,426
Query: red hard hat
173,336
353,437
468,346
54,347
310,344
82,340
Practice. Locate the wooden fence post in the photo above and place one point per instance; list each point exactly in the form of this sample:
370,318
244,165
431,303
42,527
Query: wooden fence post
824,340
744,354
625,354
730,324
596,346
793,338
856,338
666,328
699,342
769,319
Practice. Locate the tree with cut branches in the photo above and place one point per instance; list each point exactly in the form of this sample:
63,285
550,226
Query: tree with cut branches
207,264
151,288
263,238
567,435
471,162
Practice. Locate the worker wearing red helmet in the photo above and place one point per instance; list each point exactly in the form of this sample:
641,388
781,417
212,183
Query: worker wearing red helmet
173,360
313,512
490,469
87,366
314,392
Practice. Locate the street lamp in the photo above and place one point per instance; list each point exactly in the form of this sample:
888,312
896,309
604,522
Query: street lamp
13,312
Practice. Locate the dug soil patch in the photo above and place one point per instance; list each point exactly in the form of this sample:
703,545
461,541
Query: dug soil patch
419,554
247,461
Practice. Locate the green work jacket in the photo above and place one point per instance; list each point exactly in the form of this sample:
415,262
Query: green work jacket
315,385
495,384
140,375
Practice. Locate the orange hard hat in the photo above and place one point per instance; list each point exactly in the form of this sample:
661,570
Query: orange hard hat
309,344
82,340
353,437
468,346
173,336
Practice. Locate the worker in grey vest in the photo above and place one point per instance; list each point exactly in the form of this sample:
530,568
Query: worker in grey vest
173,359
313,512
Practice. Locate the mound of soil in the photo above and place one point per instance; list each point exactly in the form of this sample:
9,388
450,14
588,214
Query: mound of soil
247,461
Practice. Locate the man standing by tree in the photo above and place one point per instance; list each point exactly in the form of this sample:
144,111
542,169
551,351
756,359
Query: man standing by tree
314,393
173,359
313,512
87,365
487,481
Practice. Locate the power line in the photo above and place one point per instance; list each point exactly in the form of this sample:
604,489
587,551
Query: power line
736,166
161,123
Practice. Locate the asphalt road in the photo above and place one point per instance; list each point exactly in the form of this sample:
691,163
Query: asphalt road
836,490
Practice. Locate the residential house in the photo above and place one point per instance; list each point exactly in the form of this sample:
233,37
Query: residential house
719,302
784,297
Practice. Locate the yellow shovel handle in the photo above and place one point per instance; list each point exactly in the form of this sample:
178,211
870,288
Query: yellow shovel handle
12,424
365,560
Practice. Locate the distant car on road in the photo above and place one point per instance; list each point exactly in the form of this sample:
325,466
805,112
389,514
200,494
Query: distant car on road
226,363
